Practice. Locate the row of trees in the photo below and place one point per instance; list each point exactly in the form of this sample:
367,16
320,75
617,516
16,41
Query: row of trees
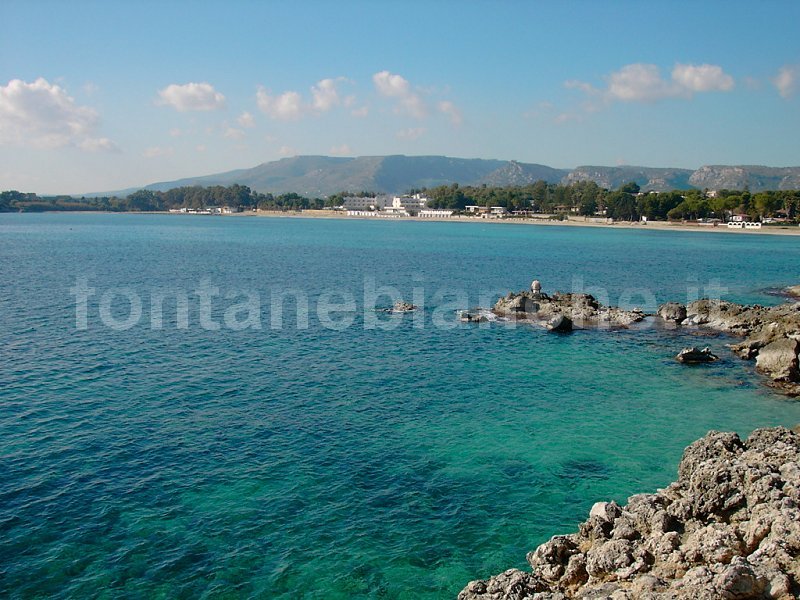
626,203
148,200
584,198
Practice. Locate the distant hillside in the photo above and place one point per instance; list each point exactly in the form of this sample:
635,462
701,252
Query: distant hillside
754,178
648,178
517,173
324,175
319,176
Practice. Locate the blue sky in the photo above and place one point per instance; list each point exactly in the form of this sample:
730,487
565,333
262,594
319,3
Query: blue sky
106,95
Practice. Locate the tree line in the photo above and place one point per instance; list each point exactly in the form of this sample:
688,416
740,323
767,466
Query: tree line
584,198
625,203
197,197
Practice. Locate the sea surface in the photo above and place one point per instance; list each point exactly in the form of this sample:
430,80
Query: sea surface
265,432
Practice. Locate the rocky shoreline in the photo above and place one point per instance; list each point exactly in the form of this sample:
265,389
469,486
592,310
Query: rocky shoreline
728,527
771,334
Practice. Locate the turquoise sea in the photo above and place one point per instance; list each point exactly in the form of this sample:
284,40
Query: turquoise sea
356,454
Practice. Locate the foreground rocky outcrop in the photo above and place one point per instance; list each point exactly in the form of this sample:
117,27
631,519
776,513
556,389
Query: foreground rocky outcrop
580,310
729,527
771,334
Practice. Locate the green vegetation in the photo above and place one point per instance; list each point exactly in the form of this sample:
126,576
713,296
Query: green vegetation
585,198
195,197
624,204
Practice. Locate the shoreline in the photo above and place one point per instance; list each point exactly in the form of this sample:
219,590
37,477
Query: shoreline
627,225
786,230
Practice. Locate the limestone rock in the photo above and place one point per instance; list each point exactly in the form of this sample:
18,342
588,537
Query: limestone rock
672,311
401,306
691,356
559,324
728,527
793,290
582,309
778,359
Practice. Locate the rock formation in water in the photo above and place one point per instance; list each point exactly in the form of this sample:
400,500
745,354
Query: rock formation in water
402,306
771,334
693,356
582,310
729,527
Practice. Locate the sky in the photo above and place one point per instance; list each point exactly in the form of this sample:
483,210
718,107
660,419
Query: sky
107,95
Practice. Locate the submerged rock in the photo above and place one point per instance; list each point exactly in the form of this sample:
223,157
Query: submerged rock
729,527
692,356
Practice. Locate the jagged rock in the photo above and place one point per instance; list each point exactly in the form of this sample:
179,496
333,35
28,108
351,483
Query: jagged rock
672,311
472,317
778,359
582,309
728,527
692,356
401,306
771,336
510,585
793,290
559,324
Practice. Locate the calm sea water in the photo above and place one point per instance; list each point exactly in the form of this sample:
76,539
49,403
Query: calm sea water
400,459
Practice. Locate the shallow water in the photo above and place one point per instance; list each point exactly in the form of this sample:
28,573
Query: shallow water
340,461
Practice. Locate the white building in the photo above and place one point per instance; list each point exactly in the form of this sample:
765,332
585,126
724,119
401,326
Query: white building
432,213
364,203
410,204
744,225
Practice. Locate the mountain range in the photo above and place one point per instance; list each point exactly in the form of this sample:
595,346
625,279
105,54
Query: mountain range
318,176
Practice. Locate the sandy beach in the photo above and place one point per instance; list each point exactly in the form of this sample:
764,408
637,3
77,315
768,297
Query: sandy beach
570,222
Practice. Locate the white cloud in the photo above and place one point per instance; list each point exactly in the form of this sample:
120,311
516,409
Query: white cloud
786,80
343,150
246,120
451,110
287,151
566,117
410,134
158,151
290,106
325,95
191,96
397,87
360,112
702,78
43,115
201,148
233,133
640,82
98,145
285,107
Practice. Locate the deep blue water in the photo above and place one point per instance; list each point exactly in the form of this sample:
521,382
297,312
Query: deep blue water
341,457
